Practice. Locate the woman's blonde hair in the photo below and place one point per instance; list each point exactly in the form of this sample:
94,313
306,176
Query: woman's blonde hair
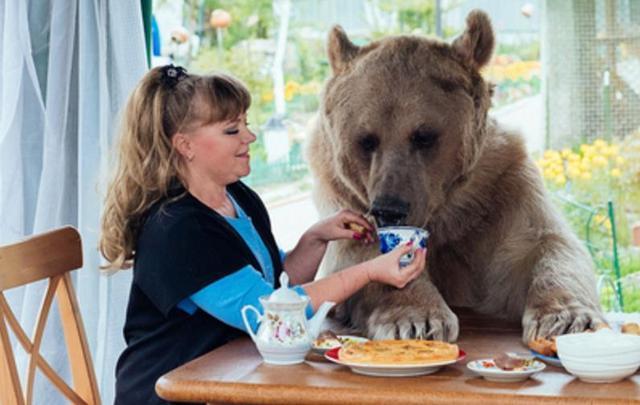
166,101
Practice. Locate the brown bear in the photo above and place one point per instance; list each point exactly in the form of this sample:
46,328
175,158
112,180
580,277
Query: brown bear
402,134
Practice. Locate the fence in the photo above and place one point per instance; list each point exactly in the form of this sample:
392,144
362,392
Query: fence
596,226
591,69
287,170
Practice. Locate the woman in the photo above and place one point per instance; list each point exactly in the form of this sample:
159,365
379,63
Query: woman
200,240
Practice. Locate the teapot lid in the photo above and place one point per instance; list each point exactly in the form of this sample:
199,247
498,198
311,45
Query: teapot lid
284,294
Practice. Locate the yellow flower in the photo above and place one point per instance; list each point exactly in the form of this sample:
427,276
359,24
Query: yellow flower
573,172
290,89
589,154
288,94
615,172
610,150
551,154
603,221
600,161
573,157
585,165
584,148
267,96
620,161
600,144
560,180
548,174
565,153
292,85
558,169
585,176
614,150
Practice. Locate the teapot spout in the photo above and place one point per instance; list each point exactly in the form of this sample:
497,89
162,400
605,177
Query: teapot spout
316,322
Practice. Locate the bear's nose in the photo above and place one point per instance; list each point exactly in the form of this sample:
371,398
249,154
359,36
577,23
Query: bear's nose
389,210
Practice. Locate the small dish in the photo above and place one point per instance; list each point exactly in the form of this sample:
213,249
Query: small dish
333,343
550,360
487,369
391,370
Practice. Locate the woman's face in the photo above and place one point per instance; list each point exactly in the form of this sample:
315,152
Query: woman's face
220,151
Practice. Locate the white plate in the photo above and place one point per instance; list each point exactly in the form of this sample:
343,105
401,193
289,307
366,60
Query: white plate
391,370
497,374
322,350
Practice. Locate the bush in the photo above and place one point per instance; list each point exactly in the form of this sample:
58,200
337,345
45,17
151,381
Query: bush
584,179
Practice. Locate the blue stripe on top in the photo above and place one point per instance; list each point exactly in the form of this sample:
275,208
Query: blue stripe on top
225,297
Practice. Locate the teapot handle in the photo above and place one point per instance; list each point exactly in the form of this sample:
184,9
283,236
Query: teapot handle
246,321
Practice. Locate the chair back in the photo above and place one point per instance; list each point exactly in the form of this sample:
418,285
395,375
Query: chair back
52,255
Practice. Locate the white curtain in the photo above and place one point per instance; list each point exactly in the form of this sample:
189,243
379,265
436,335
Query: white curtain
66,68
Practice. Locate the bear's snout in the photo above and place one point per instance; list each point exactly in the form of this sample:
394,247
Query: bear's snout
389,210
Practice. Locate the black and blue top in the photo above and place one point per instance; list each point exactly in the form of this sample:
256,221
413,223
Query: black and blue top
193,271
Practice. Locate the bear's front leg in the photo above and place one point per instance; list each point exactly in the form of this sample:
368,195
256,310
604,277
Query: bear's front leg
417,311
562,296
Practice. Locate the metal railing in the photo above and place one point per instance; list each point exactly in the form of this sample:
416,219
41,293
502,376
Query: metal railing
601,239
290,169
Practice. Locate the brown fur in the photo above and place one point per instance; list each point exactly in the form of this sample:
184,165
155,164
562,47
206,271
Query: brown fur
497,244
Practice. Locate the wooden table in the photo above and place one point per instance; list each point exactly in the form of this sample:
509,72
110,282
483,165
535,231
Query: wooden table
234,373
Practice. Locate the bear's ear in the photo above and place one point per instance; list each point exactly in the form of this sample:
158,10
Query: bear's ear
341,50
475,45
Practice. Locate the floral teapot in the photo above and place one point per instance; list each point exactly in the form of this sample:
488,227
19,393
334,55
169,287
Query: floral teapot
284,334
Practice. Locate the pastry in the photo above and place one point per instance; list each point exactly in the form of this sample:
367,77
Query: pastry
356,227
398,352
546,347
631,328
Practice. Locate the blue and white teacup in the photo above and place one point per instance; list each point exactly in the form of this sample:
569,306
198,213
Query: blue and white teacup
392,236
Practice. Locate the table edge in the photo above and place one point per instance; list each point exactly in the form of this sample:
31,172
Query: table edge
253,393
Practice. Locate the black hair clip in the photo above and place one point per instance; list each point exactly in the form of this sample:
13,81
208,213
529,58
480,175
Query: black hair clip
171,75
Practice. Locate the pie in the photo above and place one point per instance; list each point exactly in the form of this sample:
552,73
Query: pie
398,352
631,328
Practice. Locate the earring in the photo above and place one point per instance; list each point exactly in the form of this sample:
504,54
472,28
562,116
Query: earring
190,158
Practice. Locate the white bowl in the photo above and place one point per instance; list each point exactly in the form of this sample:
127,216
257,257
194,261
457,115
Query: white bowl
618,359
602,343
600,357
602,375
588,365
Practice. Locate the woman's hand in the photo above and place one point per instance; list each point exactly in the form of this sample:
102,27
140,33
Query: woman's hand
386,268
303,261
345,224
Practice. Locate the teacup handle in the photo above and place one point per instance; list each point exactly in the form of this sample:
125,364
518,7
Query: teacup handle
246,321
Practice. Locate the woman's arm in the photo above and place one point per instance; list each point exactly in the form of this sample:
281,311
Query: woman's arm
302,262
224,298
383,269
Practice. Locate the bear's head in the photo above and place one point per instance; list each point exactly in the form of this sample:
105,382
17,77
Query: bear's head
404,118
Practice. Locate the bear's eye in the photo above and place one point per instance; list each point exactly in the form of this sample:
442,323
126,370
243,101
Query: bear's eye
369,143
424,138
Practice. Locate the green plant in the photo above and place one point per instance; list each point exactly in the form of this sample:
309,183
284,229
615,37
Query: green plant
584,179
529,50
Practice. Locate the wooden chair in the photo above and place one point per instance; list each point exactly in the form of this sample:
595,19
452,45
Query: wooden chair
51,255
